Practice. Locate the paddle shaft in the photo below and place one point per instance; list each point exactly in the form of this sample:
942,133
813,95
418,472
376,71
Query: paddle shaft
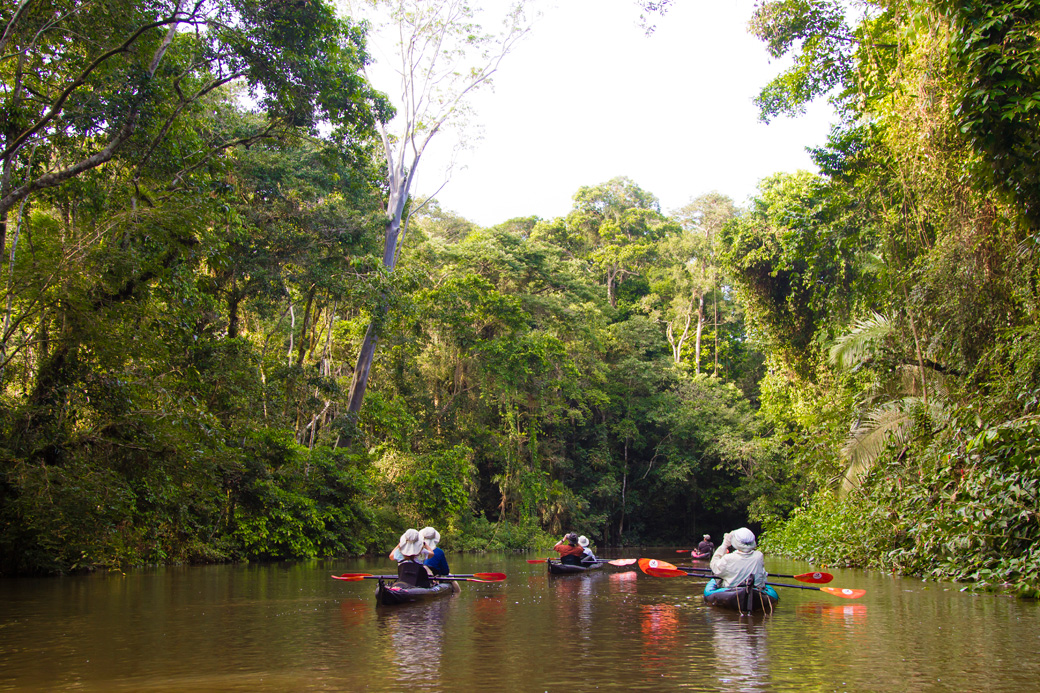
842,592
481,577
804,577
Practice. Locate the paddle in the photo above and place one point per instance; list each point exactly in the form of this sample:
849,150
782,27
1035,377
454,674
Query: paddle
616,561
843,592
473,577
666,569
815,577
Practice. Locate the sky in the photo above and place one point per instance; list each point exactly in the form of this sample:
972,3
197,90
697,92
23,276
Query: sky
588,96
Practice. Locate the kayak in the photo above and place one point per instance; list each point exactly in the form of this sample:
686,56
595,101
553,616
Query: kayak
399,592
700,556
557,568
744,599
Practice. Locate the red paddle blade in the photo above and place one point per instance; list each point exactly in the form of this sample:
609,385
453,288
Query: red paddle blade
843,592
645,563
351,576
684,550
817,577
622,561
490,577
537,560
665,572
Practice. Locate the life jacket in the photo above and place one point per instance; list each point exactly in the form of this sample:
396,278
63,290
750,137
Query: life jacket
571,560
414,574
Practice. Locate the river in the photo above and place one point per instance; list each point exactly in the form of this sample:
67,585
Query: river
290,627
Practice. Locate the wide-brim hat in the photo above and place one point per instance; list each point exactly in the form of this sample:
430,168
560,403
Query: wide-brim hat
430,536
411,543
743,539
583,541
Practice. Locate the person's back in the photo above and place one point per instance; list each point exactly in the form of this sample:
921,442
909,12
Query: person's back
735,568
587,556
437,562
570,552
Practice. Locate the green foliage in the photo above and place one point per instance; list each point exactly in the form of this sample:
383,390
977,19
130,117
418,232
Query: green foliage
826,56
995,44
792,259
830,531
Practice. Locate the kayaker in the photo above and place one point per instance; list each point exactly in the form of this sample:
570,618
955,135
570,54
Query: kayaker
410,548
570,552
437,562
704,549
745,561
409,554
587,555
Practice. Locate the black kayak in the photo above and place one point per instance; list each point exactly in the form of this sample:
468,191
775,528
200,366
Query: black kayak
399,592
745,599
557,568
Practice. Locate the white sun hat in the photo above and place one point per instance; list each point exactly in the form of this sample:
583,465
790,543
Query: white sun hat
431,536
411,543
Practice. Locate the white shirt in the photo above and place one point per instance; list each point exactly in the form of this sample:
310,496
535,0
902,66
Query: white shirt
734,568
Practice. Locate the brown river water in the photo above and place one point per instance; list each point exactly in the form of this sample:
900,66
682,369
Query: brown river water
290,627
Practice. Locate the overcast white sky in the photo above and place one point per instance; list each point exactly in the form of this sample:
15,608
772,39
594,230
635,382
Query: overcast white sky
588,96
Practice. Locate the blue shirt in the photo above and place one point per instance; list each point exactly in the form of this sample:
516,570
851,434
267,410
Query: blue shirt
438,562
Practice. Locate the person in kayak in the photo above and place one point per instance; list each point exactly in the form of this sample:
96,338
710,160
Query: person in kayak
409,554
587,555
570,552
734,568
436,561
705,549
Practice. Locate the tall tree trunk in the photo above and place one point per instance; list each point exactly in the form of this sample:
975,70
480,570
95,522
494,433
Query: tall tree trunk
367,354
700,331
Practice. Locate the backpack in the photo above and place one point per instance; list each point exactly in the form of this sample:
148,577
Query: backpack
415,574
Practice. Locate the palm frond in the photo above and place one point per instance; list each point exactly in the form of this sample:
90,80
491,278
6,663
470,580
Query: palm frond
890,422
852,348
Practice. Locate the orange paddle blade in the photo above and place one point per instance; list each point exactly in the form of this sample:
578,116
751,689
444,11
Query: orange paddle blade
537,560
490,577
646,563
351,576
665,572
843,592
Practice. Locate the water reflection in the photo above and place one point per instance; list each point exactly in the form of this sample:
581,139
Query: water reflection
413,635
660,628
844,613
574,598
741,650
625,582
275,628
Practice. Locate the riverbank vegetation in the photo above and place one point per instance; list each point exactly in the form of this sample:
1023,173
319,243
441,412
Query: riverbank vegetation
849,361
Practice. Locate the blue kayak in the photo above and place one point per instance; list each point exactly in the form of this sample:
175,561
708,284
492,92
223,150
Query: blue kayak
745,599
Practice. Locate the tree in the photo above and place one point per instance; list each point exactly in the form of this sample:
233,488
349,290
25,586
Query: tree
622,223
695,271
85,83
442,57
